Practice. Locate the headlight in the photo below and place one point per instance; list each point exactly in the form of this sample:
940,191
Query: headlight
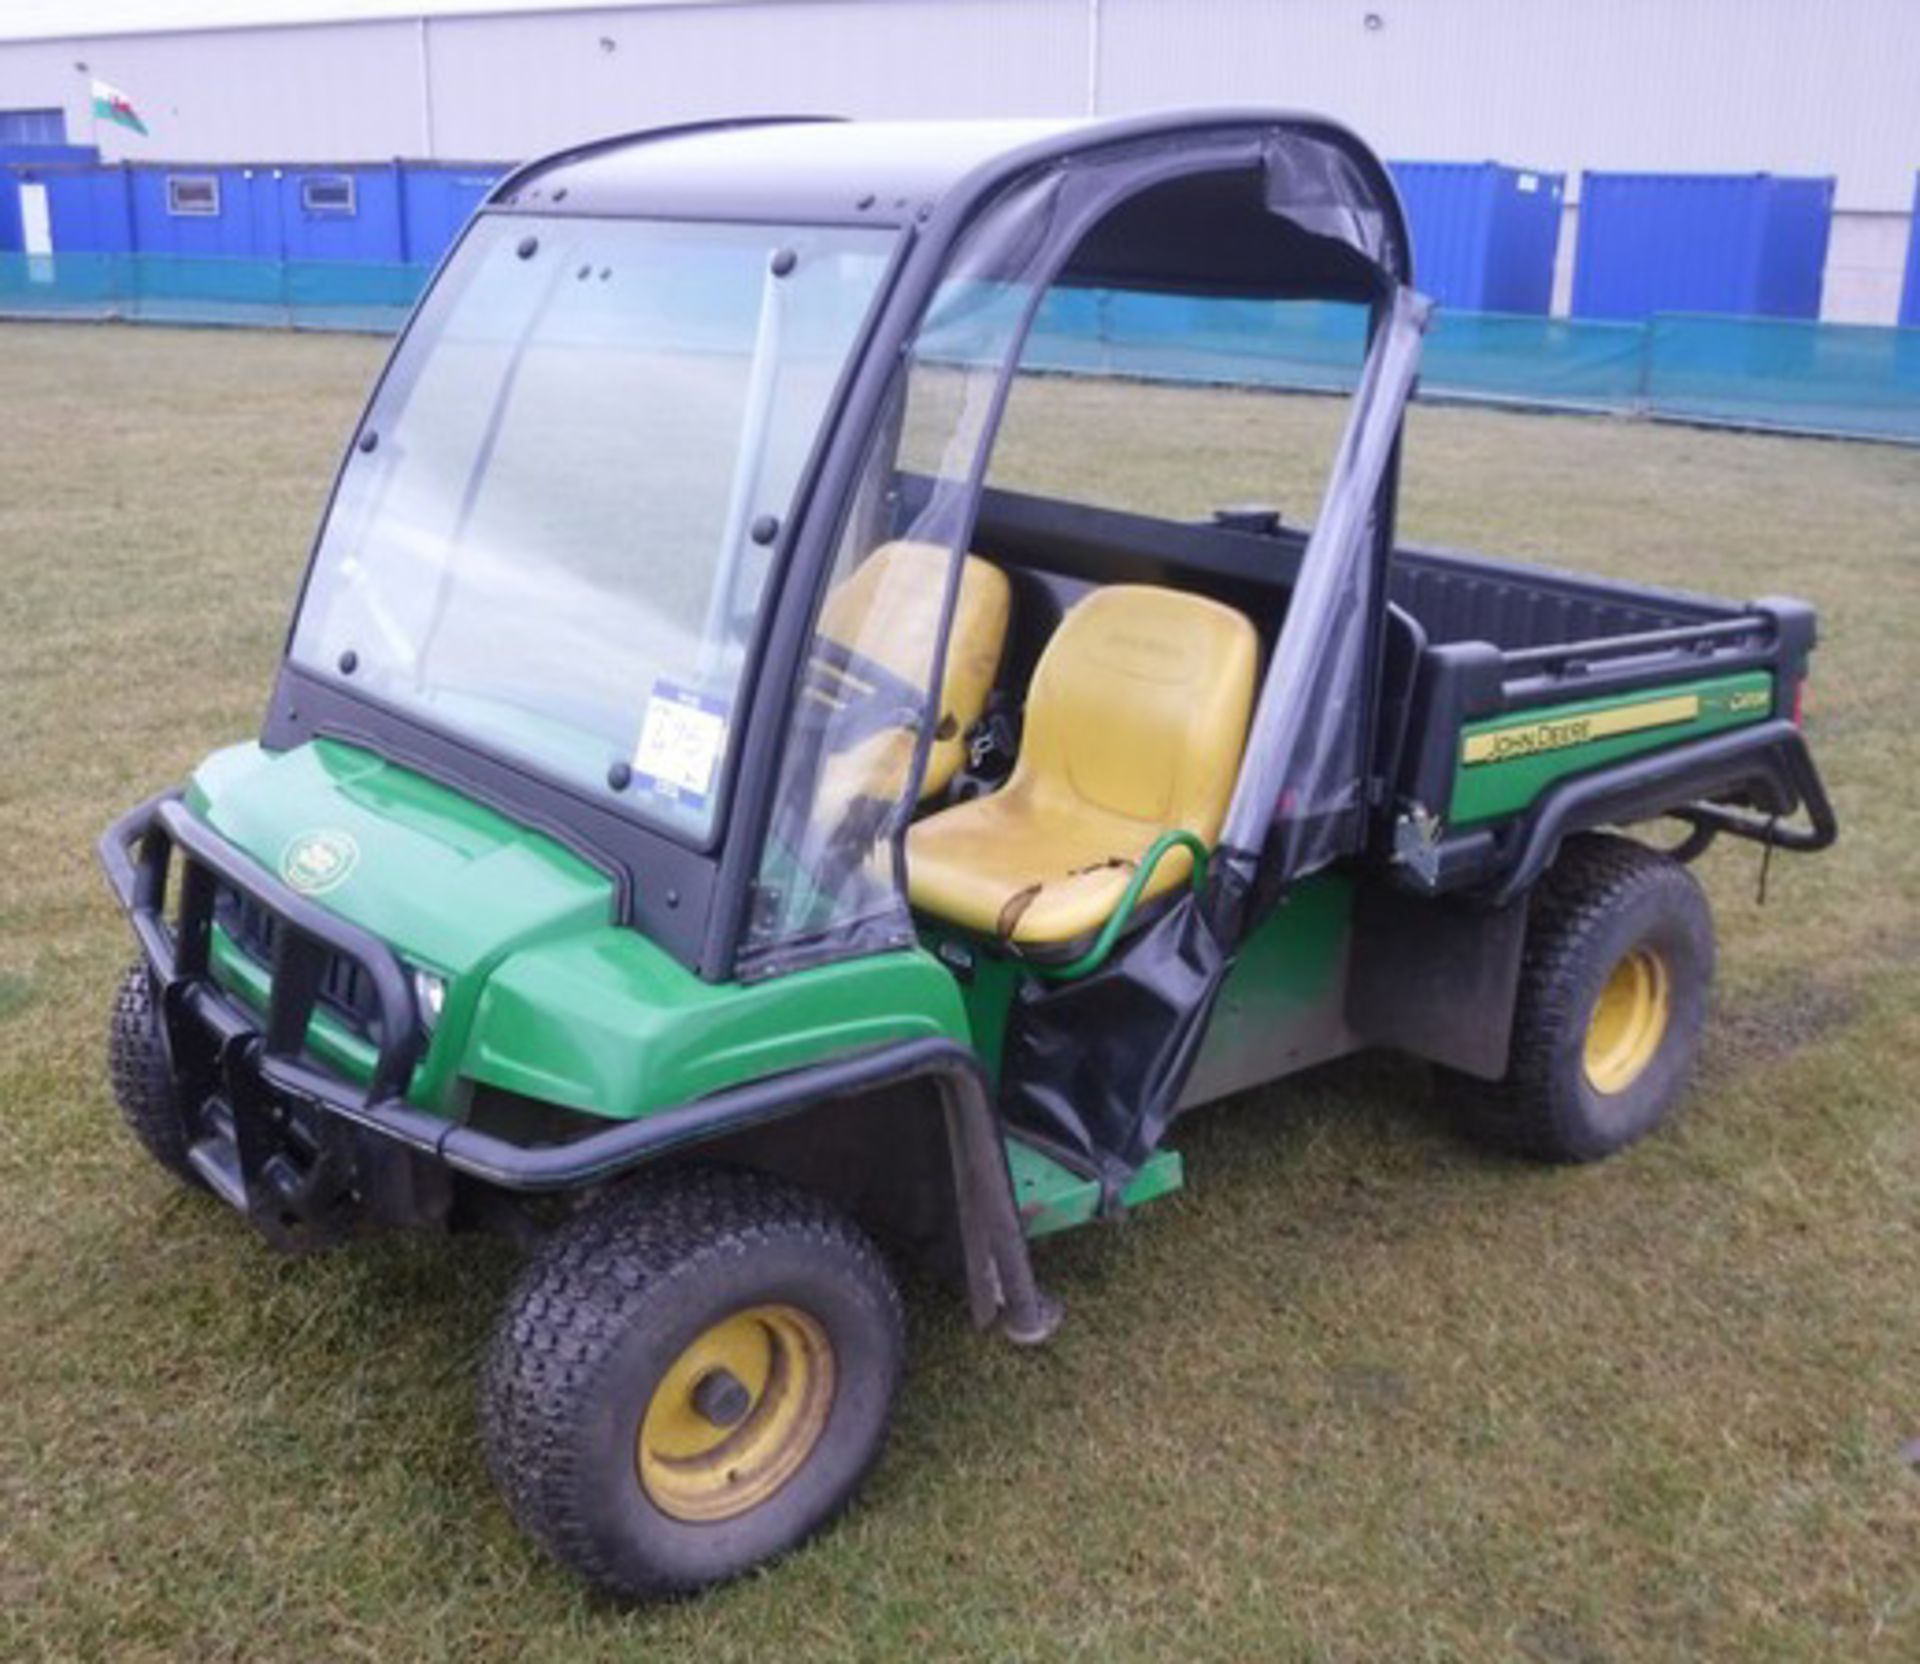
429,994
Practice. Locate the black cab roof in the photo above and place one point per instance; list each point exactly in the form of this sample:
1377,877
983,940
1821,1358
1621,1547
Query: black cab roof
806,169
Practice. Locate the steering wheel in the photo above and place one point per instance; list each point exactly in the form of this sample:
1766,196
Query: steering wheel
847,697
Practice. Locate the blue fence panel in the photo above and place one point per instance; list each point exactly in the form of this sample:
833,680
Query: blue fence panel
188,289
1560,362
1788,375
1295,344
1485,236
360,296
74,285
1749,245
1799,377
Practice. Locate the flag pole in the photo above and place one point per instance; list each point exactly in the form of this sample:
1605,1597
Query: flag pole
93,107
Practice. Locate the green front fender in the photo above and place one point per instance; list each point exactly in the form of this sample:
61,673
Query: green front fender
605,1022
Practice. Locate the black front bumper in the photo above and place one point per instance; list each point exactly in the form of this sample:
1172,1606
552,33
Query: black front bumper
307,1154
256,1070
301,1150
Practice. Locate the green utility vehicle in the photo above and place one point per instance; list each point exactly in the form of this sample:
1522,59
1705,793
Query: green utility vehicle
787,745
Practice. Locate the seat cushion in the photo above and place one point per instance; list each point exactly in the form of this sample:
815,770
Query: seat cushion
888,608
1135,721
998,867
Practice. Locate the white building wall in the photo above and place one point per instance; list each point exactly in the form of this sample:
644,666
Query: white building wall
523,84
332,92
1789,86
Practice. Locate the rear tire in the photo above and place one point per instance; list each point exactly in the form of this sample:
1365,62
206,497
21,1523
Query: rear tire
143,1083
701,1281
1613,997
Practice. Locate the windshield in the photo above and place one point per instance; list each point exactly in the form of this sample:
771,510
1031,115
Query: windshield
554,534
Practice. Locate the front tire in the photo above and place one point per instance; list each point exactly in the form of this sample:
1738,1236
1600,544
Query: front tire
1611,1007
692,1376
142,1076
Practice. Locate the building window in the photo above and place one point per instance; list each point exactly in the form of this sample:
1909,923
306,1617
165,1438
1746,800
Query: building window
327,193
33,126
193,193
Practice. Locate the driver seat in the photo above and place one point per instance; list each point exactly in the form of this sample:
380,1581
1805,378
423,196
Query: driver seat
1135,721
890,612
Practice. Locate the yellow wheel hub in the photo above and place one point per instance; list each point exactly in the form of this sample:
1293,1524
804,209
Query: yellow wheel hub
737,1414
1629,1021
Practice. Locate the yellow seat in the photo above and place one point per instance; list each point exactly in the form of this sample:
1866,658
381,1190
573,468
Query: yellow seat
888,608
1135,722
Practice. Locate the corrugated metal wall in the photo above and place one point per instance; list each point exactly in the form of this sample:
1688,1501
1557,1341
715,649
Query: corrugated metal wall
1484,235
1910,294
857,57
1747,245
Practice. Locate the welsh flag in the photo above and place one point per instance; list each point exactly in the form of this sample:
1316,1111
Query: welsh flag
111,104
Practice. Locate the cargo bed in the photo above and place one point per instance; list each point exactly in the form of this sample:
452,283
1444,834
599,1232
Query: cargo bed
1516,702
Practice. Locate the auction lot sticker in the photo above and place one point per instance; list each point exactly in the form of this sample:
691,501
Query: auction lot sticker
681,740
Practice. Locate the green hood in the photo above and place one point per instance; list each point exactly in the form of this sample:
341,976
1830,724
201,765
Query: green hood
546,996
450,885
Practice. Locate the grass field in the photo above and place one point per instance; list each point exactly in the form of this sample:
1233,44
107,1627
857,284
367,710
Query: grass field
1359,1393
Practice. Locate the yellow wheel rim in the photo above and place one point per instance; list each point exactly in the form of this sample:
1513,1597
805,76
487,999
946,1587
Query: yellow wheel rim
1629,1021
737,1414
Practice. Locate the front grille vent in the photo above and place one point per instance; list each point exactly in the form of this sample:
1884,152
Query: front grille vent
345,989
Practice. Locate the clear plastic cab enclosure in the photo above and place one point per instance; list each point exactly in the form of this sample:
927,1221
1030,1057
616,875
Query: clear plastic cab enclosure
600,551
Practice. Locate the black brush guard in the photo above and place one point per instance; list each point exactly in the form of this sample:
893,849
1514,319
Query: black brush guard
305,1152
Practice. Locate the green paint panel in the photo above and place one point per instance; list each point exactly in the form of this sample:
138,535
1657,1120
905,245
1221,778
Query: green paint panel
1053,1198
607,1022
1290,963
987,982
1548,744
545,995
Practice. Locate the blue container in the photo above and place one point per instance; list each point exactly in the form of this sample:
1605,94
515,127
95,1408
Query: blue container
24,154
1745,245
288,211
339,213
436,200
1910,297
1484,235
193,210
88,209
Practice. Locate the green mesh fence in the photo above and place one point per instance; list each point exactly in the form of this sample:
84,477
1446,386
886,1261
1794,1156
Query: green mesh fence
179,289
1838,379
1843,379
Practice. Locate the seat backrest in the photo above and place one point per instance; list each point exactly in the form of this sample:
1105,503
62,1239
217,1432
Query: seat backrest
1139,706
888,608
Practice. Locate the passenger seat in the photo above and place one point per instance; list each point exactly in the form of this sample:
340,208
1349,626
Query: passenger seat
1135,722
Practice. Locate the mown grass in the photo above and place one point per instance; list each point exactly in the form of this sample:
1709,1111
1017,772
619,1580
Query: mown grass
1359,1393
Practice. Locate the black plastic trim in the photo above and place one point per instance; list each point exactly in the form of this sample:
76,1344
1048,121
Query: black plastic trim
659,884
1769,761
180,953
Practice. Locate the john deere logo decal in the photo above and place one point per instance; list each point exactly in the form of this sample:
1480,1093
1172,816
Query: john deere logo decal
315,862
